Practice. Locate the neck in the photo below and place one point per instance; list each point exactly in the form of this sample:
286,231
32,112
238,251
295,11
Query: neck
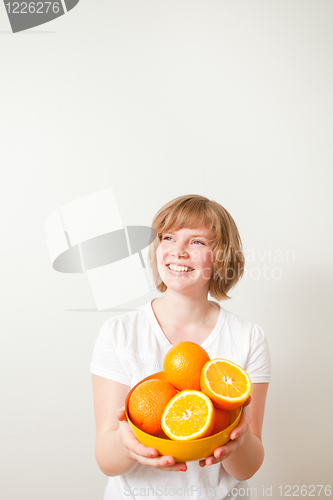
181,310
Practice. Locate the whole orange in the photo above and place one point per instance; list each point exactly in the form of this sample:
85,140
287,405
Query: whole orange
221,420
147,403
183,363
159,375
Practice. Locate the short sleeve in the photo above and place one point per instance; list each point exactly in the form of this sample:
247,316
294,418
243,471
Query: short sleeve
258,364
106,359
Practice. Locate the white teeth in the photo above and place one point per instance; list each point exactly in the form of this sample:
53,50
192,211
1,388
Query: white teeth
178,268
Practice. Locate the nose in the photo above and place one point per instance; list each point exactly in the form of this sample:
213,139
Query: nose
180,252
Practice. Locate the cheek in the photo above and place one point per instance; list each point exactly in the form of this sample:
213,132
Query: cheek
208,258
160,256
202,256
159,253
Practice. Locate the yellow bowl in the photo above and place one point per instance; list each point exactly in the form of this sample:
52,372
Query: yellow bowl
183,451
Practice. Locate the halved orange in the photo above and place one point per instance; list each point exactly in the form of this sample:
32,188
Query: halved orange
188,415
226,383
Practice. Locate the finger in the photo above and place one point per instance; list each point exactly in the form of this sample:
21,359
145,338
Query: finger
243,425
223,452
220,452
177,466
144,454
166,463
210,460
248,401
134,446
240,430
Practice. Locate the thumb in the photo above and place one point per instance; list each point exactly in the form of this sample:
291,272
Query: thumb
248,401
121,414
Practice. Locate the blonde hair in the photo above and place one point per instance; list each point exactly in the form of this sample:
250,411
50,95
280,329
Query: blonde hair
191,211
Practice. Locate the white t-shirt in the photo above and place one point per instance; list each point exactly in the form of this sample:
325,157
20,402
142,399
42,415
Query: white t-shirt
131,347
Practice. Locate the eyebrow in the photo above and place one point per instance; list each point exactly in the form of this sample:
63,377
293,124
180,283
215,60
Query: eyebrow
192,235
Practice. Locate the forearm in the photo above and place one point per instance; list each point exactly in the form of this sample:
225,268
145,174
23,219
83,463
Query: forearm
112,457
244,462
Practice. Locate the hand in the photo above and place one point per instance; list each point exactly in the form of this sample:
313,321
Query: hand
236,438
143,454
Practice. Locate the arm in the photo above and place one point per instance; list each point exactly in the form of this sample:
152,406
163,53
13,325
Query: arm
117,450
243,455
112,457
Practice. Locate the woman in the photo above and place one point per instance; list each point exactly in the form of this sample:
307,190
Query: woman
198,253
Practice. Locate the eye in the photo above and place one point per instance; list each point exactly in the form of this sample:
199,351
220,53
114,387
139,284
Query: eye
168,238
197,241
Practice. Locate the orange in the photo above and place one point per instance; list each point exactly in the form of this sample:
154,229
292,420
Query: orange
226,383
183,363
159,375
147,403
221,420
188,415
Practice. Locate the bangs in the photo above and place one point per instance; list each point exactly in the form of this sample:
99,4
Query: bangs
190,214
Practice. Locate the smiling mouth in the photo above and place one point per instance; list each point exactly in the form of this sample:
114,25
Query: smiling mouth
180,269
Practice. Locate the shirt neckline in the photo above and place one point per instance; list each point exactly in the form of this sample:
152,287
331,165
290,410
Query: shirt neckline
160,334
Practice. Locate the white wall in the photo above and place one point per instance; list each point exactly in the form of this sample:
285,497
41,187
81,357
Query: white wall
229,99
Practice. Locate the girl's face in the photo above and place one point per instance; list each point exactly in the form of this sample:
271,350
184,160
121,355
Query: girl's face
184,259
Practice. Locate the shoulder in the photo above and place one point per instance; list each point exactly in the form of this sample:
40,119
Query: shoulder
244,342
244,335
124,324
124,318
243,327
